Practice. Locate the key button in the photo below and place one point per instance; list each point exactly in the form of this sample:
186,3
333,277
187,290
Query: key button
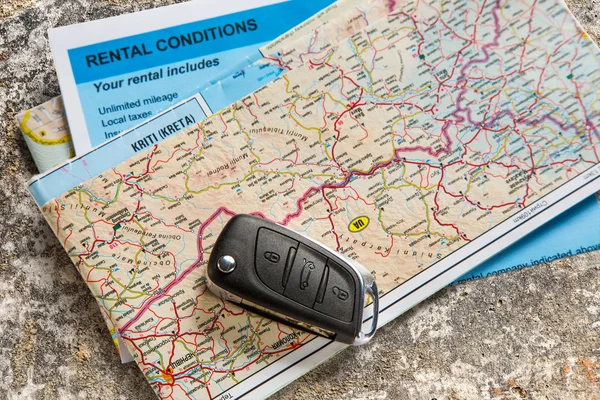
273,251
305,276
339,293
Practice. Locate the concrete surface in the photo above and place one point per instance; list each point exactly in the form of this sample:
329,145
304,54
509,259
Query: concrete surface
529,334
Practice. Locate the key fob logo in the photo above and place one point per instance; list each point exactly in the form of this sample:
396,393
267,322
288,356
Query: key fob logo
340,293
307,269
273,257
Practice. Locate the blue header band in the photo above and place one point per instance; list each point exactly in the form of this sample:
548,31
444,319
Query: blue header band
182,42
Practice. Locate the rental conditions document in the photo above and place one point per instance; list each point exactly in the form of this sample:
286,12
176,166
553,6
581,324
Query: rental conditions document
115,73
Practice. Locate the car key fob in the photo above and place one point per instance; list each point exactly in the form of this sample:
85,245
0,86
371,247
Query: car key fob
274,271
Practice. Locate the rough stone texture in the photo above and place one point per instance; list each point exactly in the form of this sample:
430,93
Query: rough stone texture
528,334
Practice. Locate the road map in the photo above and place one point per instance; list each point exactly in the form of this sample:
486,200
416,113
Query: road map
449,131
47,134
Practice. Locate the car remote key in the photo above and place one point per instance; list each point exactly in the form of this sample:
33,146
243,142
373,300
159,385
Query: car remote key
275,271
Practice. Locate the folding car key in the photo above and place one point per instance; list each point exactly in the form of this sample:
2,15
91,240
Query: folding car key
275,271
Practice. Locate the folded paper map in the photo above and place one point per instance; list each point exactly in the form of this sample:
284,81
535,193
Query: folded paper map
450,130
46,133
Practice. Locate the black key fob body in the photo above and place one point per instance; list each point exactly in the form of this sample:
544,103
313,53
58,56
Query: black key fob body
275,271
